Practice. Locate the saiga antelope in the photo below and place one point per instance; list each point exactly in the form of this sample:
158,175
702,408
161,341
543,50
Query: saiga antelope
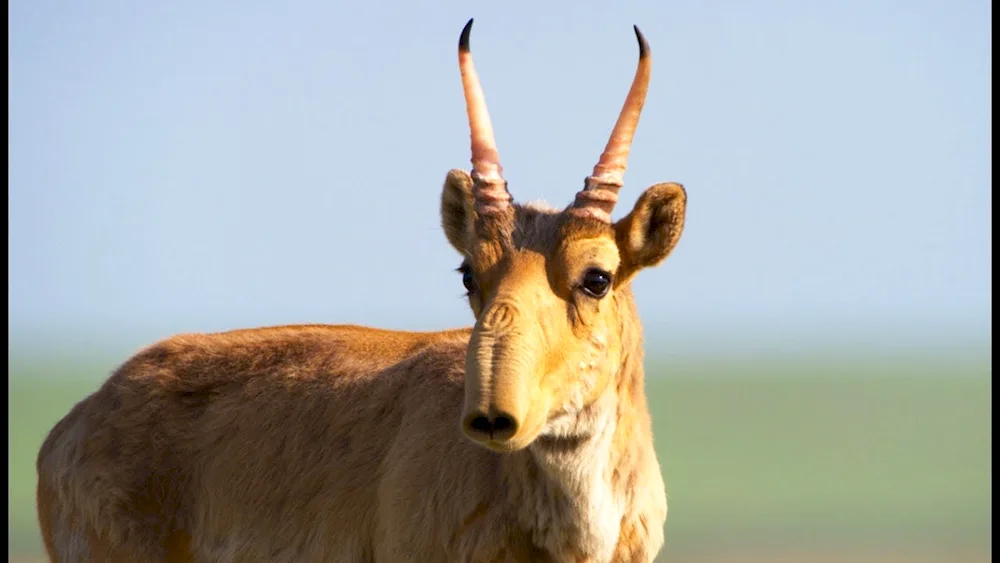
524,438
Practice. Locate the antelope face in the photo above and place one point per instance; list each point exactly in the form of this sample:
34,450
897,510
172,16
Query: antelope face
544,284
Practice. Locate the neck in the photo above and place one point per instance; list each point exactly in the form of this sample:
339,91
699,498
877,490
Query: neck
572,488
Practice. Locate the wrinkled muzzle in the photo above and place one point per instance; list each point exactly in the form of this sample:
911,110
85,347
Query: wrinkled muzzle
504,408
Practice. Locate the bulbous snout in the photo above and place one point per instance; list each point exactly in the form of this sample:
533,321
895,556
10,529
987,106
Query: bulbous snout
503,405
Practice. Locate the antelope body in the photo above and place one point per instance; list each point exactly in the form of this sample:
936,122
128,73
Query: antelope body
524,438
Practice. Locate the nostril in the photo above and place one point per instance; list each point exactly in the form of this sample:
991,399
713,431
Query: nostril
482,427
504,424
481,424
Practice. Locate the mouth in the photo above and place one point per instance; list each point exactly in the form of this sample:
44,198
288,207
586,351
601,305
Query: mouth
504,447
508,446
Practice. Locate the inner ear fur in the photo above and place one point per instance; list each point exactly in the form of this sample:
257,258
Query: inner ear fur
648,234
457,215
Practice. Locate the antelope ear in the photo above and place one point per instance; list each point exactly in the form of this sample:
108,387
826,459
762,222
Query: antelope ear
457,215
650,231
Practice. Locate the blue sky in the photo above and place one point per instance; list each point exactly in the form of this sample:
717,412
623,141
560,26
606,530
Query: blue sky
192,166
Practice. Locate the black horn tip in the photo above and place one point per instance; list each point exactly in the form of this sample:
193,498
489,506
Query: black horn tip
643,46
463,41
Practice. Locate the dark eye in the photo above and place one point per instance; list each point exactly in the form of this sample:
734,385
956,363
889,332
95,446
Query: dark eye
467,280
596,283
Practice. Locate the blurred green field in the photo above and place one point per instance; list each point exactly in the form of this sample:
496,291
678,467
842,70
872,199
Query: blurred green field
807,459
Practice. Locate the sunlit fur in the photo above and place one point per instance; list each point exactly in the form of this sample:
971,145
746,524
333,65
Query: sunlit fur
344,443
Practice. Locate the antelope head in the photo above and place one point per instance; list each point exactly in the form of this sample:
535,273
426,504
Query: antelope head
548,288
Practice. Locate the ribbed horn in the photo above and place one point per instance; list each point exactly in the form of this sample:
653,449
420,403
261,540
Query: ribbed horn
489,188
600,191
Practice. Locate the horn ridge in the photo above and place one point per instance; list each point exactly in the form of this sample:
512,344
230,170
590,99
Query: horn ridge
600,191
